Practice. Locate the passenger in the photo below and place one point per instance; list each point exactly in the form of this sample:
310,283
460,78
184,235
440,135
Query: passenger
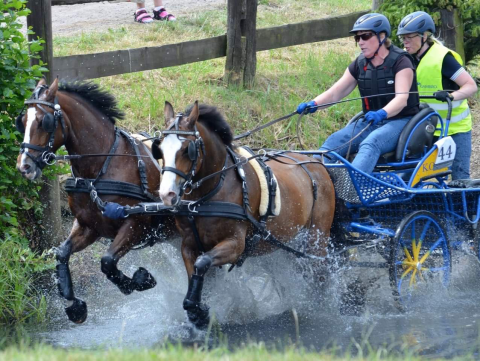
382,68
440,70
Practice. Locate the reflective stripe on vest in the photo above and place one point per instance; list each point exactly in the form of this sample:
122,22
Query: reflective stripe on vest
429,77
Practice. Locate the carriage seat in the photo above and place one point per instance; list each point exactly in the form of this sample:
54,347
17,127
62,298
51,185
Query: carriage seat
416,138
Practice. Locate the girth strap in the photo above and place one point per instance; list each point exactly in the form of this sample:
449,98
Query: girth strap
141,166
105,187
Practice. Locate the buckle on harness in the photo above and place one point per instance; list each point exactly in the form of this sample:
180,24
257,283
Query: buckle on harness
187,185
150,208
189,207
49,158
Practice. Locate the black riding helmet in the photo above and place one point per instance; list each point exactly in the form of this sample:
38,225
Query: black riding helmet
376,23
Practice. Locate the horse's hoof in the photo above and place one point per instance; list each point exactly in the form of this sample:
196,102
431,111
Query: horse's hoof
77,312
143,280
199,316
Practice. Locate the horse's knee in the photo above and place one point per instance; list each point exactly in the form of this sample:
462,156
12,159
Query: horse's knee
63,252
202,264
108,265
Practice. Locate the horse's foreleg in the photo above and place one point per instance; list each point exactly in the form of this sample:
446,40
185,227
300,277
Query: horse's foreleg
142,280
79,238
225,252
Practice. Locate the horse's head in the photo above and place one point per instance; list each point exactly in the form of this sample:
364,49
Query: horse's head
42,133
181,151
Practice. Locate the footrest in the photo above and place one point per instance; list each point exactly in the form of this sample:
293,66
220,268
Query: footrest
464,183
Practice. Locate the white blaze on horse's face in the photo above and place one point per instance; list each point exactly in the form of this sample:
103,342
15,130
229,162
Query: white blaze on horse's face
25,162
169,187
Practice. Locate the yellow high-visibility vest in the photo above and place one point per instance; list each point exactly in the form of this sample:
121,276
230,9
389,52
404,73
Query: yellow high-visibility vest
429,78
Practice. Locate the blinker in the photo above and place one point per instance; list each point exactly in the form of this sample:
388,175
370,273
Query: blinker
19,124
192,151
48,123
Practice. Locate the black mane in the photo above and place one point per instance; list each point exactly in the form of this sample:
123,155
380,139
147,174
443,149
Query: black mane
98,98
214,120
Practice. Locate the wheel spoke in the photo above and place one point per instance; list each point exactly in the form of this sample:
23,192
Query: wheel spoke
413,279
435,245
407,253
409,269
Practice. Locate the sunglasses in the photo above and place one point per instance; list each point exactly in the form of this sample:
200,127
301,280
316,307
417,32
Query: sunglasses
364,37
404,38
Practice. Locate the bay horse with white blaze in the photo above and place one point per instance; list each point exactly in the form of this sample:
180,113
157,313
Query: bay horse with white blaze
108,162
199,145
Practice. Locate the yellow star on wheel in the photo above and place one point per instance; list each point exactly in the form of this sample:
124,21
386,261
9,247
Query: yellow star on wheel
413,262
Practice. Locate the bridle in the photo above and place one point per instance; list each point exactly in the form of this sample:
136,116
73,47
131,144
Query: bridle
193,152
49,125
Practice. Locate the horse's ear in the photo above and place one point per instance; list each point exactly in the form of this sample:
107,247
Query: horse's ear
51,92
193,117
42,82
169,113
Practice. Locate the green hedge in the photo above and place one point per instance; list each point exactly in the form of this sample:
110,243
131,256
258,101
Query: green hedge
18,197
469,11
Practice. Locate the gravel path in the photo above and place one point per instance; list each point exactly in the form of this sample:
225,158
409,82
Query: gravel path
74,19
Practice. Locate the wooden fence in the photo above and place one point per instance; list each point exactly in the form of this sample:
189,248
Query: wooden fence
240,34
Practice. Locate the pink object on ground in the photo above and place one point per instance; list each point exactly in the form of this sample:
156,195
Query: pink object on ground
163,14
142,17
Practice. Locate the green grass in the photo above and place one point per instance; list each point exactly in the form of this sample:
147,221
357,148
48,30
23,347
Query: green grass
19,300
251,352
285,77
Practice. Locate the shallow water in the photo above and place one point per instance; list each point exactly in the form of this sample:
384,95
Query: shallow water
268,299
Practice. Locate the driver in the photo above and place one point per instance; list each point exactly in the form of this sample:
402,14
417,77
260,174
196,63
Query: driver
381,68
440,70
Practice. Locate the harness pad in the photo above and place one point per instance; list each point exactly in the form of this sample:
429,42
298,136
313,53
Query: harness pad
264,185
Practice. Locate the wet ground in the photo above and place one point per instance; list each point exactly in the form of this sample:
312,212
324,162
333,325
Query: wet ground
269,299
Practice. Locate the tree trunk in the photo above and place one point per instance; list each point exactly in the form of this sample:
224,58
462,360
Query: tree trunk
51,233
376,4
451,31
40,19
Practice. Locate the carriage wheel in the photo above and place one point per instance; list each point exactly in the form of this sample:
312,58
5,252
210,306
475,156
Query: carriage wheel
420,256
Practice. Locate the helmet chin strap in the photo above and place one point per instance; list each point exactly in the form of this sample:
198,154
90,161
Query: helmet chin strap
421,46
379,46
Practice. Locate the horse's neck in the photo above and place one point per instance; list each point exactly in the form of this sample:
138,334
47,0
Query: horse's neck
89,132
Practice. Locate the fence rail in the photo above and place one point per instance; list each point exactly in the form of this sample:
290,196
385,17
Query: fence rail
109,63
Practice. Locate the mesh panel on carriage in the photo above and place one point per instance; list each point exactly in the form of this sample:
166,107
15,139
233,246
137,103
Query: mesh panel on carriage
357,188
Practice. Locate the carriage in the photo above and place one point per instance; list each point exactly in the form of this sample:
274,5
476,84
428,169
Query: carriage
406,209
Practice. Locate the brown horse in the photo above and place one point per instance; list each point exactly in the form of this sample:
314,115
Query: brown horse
82,117
195,146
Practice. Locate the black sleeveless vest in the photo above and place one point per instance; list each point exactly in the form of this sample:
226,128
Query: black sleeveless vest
381,80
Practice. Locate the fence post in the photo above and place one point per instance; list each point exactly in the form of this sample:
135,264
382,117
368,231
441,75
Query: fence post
376,4
451,31
40,19
241,60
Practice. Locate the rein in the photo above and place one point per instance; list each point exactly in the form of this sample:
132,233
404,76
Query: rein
266,125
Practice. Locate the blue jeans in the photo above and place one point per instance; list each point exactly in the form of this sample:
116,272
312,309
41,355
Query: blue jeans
370,145
461,163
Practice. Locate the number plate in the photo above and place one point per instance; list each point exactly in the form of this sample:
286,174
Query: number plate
446,151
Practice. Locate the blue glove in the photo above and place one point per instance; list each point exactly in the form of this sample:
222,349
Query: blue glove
311,107
114,211
376,117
